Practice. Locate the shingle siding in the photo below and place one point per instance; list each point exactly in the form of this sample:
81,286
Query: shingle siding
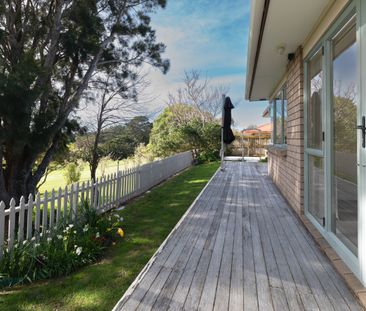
287,171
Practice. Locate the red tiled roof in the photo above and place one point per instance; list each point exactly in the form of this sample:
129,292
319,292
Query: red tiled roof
264,128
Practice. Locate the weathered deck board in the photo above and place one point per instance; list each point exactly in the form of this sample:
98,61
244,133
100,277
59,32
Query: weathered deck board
239,247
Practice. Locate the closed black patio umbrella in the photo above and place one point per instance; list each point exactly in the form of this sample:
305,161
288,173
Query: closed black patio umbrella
228,135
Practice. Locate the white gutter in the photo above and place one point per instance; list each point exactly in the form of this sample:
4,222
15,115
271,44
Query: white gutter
256,12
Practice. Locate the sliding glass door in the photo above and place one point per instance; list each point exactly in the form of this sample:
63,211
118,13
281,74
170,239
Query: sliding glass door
334,137
344,147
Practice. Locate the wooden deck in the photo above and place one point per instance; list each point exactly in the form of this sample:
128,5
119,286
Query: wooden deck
239,247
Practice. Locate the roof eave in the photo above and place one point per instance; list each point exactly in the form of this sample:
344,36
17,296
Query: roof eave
258,14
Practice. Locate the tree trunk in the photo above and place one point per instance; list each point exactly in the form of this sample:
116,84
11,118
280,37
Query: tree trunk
95,156
17,178
93,171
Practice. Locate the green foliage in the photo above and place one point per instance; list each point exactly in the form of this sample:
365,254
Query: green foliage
125,139
142,155
72,173
166,136
345,121
61,251
117,142
172,134
204,138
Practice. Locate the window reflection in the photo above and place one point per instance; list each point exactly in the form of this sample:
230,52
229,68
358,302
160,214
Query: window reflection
314,119
316,188
344,220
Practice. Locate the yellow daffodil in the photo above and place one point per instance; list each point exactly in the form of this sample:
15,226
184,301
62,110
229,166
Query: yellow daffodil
120,232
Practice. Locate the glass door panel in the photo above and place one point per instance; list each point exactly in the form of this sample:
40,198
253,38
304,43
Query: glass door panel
316,188
284,125
344,138
278,124
314,110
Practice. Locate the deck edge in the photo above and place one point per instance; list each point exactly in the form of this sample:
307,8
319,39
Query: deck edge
161,247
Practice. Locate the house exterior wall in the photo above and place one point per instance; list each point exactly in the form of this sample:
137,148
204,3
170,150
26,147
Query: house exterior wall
286,163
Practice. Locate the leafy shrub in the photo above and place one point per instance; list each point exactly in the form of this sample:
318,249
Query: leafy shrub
208,156
72,173
172,134
61,251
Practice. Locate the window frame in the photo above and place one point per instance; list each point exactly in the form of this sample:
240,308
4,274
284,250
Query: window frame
279,99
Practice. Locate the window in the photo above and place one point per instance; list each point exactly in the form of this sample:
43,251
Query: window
279,117
284,123
278,123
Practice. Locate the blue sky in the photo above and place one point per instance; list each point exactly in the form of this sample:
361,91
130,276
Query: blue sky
210,36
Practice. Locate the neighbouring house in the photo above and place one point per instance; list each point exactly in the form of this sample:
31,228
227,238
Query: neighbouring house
308,59
255,140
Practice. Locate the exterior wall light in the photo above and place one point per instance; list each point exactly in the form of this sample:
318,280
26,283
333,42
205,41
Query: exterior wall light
281,49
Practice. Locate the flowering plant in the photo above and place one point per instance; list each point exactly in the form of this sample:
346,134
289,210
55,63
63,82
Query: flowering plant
62,250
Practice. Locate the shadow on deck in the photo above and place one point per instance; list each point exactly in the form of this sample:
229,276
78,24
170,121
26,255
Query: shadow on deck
239,247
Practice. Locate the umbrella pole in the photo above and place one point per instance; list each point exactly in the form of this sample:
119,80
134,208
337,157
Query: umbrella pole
222,151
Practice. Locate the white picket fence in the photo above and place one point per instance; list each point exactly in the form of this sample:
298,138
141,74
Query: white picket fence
38,215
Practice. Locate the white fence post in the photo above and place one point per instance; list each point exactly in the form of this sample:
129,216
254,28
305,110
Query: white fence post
118,194
2,225
66,195
96,195
21,219
45,213
71,200
52,211
29,218
58,212
76,202
37,222
11,228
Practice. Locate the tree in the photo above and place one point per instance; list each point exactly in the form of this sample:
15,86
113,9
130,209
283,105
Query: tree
118,142
166,137
63,156
115,99
189,122
205,98
72,173
172,133
49,52
127,138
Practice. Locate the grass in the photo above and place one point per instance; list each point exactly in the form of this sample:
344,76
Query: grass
57,178
148,220
107,166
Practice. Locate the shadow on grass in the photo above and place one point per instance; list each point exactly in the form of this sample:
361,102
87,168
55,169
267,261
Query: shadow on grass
148,220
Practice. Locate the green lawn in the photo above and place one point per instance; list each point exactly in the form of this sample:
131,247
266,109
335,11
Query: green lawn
57,178
148,220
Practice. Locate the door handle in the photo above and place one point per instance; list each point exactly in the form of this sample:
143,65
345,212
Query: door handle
362,127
